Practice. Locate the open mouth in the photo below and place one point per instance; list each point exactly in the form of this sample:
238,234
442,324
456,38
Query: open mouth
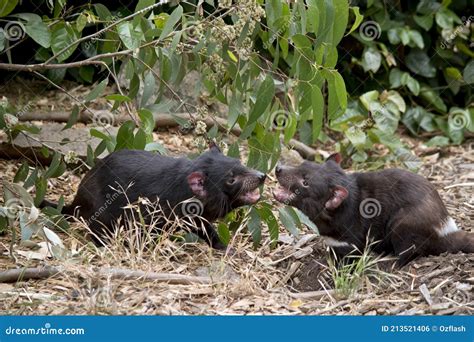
250,197
283,194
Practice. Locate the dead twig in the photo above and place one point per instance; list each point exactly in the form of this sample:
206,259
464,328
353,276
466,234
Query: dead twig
28,273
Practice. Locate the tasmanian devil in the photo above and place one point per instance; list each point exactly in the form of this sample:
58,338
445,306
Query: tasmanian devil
206,188
399,211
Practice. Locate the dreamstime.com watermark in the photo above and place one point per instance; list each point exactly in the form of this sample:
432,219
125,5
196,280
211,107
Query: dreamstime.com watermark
46,330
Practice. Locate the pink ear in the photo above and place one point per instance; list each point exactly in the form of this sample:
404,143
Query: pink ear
339,194
196,183
335,157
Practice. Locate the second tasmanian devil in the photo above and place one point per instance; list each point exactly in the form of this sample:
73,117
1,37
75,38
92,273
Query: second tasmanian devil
401,212
206,188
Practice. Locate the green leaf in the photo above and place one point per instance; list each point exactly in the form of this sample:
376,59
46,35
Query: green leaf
144,4
81,21
427,7
125,136
413,85
22,173
139,141
287,218
433,97
131,36
97,91
396,98
147,120
438,141
118,97
6,6
356,136
41,185
468,73
420,63
53,167
98,134
148,89
172,20
72,118
395,78
224,233
103,13
358,19
306,221
266,214
368,98
416,38
424,21
253,226
404,35
341,12
394,36
264,97
156,146
36,28
62,36
446,18
371,60
337,102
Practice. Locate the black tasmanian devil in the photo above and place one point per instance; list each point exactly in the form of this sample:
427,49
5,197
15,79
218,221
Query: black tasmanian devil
207,187
401,212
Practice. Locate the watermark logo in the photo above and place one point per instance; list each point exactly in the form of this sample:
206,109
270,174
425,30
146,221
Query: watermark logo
192,30
14,31
13,207
280,119
461,296
370,30
370,208
192,208
459,119
103,118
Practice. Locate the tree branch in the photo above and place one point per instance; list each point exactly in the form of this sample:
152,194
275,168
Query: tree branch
163,120
27,273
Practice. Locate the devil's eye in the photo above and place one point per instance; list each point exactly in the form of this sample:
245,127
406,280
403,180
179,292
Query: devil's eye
231,181
305,183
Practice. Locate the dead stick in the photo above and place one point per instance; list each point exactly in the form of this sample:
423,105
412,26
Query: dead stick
162,120
27,273
121,273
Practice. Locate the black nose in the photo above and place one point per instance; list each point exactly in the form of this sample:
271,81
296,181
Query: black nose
261,176
278,169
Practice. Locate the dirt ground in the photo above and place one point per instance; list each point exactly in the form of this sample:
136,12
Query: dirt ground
293,278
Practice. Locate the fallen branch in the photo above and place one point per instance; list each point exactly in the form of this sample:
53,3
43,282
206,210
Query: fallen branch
162,120
126,274
28,273
312,294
